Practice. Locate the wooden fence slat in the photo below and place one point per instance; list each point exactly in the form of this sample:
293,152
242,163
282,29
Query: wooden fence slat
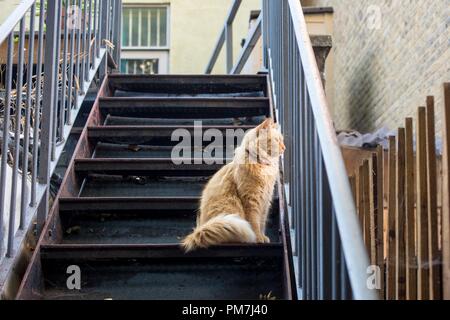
390,243
380,218
422,208
352,180
410,227
373,204
446,196
400,271
433,230
361,197
366,211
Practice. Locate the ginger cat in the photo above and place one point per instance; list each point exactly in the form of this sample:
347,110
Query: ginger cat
236,201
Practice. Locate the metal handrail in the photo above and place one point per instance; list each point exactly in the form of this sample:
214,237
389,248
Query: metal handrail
320,191
226,35
253,37
14,18
349,228
332,258
34,136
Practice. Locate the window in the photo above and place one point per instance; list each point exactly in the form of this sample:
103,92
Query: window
145,39
145,27
139,66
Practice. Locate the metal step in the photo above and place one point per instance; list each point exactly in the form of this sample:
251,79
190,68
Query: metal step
157,135
157,272
188,84
129,225
140,186
179,108
118,204
144,167
187,121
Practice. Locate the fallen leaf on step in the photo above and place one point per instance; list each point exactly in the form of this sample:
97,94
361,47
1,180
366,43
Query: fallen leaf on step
134,147
74,229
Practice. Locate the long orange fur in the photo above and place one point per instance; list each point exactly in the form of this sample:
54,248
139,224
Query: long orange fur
236,201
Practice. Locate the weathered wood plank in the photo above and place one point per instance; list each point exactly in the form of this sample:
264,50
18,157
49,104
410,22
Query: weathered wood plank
361,196
352,180
410,225
366,212
422,208
380,217
390,241
400,271
446,196
433,231
373,208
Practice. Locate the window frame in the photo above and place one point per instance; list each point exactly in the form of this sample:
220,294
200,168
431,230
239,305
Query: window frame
162,55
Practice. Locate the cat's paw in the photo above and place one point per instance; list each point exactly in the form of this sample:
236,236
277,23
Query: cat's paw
263,239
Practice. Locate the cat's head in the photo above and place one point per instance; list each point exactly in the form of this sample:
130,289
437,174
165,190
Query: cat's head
265,142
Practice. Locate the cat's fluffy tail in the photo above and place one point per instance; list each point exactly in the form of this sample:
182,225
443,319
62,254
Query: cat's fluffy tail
226,228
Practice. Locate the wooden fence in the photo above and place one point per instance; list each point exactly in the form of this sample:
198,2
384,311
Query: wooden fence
402,196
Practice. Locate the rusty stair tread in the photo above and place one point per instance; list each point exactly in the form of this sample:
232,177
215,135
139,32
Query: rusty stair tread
138,134
128,203
197,278
186,120
155,251
188,84
147,167
145,148
180,107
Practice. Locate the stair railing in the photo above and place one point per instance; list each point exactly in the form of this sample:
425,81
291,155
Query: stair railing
225,37
55,49
327,241
332,259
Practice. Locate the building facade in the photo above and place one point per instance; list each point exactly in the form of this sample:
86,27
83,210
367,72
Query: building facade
388,56
177,36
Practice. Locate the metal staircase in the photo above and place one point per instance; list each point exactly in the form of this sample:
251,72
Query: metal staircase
124,205
115,225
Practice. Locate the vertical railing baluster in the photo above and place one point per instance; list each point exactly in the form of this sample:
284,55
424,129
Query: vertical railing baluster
74,19
103,35
6,138
16,150
83,47
95,51
37,107
88,44
336,256
48,108
229,46
79,60
117,30
319,220
313,175
327,219
62,106
308,184
56,135
26,133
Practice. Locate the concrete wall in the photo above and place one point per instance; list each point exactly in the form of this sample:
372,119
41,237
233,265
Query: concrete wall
8,7
389,55
194,28
321,23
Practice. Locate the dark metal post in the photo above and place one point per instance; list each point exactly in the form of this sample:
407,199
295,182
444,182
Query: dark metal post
48,108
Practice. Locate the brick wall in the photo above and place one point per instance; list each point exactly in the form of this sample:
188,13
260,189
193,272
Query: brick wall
389,55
